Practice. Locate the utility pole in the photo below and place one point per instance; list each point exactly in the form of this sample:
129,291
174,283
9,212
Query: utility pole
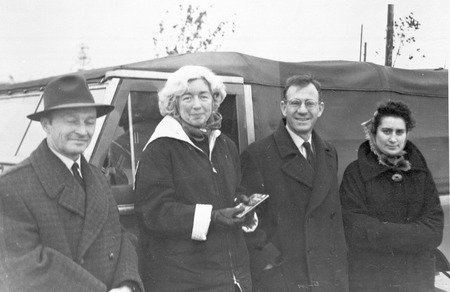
360,43
365,51
389,35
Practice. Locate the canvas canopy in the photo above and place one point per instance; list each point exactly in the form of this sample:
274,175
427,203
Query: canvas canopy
333,75
351,91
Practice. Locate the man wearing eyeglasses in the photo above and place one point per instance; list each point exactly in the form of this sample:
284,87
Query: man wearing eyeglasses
299,244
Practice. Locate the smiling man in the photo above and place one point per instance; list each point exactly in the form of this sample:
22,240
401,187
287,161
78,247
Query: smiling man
59,224
299,244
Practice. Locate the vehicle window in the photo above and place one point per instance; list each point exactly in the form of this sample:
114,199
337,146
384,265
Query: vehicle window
145,117
14,122
33,135
229,118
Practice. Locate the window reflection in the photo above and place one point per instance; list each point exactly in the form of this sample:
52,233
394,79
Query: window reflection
145,117
229,118
14,122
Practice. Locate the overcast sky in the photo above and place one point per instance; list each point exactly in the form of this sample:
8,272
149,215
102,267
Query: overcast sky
42,38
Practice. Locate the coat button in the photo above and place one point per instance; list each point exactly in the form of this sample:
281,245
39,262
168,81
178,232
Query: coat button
82,261
111,256
332,215
308,251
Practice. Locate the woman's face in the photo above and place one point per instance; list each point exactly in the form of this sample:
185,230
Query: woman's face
391,135
195,104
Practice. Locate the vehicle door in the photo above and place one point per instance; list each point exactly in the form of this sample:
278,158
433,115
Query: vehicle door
129,127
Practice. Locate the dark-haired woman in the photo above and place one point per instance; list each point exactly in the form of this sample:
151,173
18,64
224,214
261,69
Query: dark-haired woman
392,214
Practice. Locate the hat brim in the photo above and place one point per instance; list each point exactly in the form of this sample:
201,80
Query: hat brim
102,109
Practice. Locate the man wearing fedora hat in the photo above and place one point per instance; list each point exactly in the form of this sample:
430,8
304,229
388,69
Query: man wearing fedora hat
59,223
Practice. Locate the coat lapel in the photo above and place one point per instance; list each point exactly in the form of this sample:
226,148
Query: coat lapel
50,170
97,207
57,180
325,161
295,165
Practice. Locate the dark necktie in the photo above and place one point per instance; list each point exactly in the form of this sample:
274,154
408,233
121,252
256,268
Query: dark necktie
309,154
77,175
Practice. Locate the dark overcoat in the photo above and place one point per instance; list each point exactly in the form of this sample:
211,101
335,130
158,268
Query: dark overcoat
173,177
392,225
55,237
300,233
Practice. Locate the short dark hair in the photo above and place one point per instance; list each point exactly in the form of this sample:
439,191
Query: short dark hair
393,108
302,81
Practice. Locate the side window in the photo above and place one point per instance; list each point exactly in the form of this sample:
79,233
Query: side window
136,125
229,118
14,122
34,134
123,153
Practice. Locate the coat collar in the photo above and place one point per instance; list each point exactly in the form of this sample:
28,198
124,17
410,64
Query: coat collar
59,183
97,207
169,127
326,172
51,171
370,168
296,166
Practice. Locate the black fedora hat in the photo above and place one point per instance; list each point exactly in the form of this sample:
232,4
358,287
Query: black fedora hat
69,91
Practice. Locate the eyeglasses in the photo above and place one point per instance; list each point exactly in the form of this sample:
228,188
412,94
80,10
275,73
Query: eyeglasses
297,103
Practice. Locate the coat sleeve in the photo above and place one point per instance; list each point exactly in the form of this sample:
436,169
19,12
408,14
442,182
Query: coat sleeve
29,266
366,232
127,265
158,208
252,180
263,253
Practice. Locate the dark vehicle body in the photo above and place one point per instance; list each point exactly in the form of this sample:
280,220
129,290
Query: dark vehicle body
251,111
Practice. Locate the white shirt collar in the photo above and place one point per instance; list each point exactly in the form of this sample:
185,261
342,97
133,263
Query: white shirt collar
298,141
66,160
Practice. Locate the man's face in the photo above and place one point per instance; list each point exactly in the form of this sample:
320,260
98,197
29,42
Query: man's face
69,131
302,109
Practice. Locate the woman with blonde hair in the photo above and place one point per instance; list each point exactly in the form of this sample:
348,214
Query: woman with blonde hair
186,189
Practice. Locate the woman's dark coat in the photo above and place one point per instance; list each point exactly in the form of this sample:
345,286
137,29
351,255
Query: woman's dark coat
173,176
391,227
300,231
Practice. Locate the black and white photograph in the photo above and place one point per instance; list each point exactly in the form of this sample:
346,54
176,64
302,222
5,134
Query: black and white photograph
224,146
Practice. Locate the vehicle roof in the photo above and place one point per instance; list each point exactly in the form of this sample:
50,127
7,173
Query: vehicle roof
333,75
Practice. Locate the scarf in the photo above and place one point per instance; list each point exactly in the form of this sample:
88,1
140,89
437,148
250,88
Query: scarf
199,134
397,162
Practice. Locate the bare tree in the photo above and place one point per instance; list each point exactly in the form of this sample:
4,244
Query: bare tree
404,30
191,32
